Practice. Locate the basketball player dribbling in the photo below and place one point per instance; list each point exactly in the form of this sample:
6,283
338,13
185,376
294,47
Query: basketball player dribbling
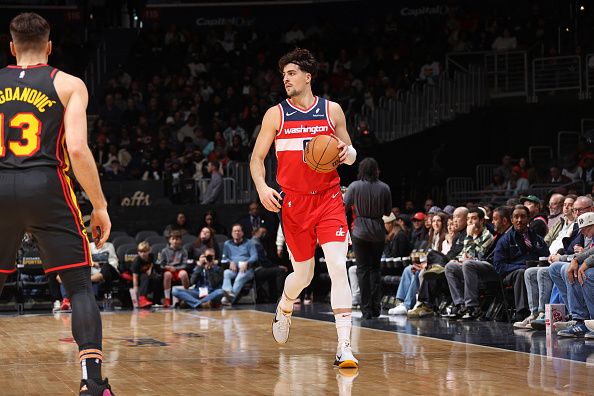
310,205
43,133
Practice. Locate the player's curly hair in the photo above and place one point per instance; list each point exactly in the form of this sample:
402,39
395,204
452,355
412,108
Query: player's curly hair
302,58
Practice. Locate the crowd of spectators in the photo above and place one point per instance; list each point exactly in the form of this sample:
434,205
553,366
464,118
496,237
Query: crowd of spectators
541,252
188,96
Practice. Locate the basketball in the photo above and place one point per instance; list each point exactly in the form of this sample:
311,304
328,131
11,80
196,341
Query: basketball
321,153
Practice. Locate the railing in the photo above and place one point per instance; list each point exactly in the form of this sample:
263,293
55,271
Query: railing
559,73
500,197
589,68
506,72
95,71
424,105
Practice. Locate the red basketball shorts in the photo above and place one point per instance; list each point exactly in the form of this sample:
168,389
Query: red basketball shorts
308,219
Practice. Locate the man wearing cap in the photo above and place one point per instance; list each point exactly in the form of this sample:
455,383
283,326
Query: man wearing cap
576,279
418,236
538,220
511,253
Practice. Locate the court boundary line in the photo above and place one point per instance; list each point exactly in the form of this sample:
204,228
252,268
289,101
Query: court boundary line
437,339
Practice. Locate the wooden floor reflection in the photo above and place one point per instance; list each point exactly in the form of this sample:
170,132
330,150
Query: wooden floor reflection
232,353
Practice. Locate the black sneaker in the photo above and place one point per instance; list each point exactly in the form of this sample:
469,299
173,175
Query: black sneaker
456,312
91,387
472,313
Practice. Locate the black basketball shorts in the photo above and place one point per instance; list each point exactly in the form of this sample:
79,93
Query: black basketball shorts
41,200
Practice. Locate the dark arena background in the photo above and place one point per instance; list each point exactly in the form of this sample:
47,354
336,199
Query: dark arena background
464,105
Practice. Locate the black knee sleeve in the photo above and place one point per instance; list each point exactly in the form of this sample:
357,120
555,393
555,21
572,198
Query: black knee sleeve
86,320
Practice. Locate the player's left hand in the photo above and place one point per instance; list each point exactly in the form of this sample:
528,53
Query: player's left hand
100,226
342,146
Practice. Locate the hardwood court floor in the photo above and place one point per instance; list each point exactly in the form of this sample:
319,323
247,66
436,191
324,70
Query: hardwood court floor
231,352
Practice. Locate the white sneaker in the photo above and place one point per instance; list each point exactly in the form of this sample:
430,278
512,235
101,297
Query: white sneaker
525,324
225,301
589,324
558,326
281,324
398,310
344,356
57,306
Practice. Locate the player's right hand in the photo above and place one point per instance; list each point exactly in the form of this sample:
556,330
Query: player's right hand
100,220
270,199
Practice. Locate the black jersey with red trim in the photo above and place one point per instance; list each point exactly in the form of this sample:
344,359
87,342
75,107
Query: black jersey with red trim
31,118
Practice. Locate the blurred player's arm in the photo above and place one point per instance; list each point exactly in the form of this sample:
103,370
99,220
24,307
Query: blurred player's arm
269,197
74,97
348,154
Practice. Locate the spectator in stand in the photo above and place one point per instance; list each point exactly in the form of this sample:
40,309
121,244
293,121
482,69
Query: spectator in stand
397,243
538,220
527,171
566,227
187,131
208,279
204,241
476,246
575,283
409,208
235,130
428,205
438,231
215,187
253,220
174,264
588,170
242,256
516,185
115,172
511,253
180,225
572,169
555,176
437,282
146,278
154,172
418,236
505,41
450,236
556,202
210,220
237,152
268,272
504,170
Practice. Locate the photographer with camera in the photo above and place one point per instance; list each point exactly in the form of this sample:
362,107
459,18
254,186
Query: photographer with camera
208,279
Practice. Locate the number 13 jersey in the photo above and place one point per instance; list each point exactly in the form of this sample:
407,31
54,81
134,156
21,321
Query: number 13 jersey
31,118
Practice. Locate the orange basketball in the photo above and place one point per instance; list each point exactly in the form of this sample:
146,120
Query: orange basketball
321,153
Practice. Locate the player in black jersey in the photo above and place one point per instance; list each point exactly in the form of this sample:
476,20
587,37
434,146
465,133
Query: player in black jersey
43,134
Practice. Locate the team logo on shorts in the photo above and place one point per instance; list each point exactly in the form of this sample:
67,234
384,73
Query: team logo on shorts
340,233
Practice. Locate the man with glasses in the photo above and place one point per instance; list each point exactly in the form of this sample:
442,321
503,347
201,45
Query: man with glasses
581,242
555,209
